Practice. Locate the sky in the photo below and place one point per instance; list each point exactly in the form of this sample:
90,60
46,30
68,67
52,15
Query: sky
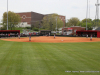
68,8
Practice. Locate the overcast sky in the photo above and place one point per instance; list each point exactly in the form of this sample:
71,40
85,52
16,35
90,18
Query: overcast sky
68,8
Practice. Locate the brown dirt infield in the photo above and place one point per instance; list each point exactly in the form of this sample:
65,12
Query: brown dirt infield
45,39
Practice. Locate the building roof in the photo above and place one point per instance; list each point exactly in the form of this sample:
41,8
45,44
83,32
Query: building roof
29,12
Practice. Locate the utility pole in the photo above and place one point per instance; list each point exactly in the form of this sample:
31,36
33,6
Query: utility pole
7,14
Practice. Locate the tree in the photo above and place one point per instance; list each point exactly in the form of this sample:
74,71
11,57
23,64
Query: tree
96,22
79,23
49,22
13,19
88,20
73,21
89,25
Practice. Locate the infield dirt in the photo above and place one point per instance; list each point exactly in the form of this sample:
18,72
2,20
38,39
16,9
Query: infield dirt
51,39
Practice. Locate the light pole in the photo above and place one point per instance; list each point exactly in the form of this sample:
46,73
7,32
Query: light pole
56,24
39,29
7,14
86,14
97,11
63,28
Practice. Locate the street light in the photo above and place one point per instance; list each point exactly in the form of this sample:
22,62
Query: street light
7,14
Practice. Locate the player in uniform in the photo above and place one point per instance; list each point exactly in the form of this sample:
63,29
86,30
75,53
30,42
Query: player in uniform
49,34
9,35
19,36
87,35
29,36
54,36
91,37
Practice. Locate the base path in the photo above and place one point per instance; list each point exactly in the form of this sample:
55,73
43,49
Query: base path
51,39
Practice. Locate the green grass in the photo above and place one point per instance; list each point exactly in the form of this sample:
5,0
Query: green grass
20,58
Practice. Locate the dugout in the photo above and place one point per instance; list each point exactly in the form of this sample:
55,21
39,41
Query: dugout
13,33
45,32
94,33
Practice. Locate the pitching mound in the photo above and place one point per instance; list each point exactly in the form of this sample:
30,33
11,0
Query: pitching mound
51,39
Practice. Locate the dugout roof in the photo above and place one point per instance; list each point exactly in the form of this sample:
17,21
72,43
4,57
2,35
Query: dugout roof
10,31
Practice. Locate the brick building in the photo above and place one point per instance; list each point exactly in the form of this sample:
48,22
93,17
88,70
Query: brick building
29,18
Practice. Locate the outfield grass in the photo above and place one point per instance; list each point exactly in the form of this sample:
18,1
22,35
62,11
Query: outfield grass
18,58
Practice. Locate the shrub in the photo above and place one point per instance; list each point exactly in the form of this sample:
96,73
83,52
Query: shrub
36,29
28,27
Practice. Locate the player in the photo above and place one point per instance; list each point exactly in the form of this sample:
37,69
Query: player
29,36
19,35
9,35
87,35
54,36
91,37
49,34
